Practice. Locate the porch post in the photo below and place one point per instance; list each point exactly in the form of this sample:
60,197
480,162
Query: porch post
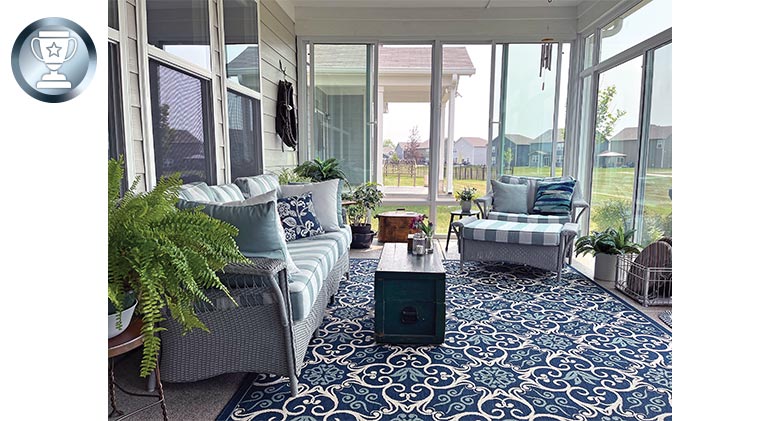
451,132
380,115
442,142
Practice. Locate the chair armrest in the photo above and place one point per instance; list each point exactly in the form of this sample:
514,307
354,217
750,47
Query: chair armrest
578,207
484,203
459,224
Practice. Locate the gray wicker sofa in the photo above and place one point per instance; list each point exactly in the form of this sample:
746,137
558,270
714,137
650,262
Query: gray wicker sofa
277,313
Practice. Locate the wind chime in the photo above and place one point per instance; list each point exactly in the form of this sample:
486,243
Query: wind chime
545,63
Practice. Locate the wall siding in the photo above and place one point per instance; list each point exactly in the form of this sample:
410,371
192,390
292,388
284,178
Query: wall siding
277,42
133,95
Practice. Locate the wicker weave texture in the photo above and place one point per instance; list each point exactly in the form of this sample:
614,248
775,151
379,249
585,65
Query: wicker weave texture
257,336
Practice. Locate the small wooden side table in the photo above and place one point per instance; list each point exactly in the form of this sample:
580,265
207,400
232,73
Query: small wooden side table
125,342
460,214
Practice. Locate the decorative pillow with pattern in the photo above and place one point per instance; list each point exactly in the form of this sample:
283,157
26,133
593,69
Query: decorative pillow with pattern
298,217
554,197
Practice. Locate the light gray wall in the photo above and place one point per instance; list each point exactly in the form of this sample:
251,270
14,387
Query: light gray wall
277,42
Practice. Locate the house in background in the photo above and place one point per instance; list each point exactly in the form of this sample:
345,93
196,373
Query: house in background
539,151
423,148
623,148
518,144
470,150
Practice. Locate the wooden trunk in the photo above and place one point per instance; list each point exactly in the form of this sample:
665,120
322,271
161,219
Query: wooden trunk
394,226
409,296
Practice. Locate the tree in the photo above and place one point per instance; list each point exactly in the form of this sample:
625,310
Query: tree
388,143
605,119
508,158
412,149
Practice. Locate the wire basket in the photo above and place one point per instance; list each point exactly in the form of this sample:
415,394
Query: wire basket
650,286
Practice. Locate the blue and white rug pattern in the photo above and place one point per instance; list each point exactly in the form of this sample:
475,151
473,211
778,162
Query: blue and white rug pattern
519,345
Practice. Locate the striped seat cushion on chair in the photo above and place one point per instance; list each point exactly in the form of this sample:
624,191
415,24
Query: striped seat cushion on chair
513,232
197,192
258,184
227,193
315,258
529,219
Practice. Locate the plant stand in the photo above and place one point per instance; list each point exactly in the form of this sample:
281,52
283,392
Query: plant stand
125,342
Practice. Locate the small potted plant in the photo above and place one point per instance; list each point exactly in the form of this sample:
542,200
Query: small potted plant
425,229
465,196
606,246
163,256
367,197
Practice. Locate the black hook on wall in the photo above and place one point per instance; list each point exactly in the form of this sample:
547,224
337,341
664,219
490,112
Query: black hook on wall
283,69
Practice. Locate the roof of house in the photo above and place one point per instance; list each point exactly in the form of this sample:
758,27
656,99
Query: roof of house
387,149
180,136
423,145
476,142
546,137
456,59
517,139
631,133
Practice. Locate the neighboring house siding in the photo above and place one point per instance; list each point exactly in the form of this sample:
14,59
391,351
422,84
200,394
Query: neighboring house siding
277,42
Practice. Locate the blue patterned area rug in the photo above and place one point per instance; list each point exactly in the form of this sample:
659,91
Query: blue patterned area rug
519,346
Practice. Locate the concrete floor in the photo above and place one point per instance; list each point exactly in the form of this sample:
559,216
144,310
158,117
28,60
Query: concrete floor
205,399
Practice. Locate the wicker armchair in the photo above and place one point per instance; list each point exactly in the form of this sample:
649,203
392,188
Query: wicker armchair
256,336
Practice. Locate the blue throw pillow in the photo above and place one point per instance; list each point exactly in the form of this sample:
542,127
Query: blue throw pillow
554,197
298,217
258,232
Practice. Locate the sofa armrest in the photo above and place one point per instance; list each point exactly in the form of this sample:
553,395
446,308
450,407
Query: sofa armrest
484,204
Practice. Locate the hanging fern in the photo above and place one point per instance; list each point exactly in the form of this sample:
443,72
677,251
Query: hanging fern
167,256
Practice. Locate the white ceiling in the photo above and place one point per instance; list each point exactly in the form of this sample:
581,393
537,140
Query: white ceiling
436,3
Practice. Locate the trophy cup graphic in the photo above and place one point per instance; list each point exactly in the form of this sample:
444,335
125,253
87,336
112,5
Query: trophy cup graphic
53,48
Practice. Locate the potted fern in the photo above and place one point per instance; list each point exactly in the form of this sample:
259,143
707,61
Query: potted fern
321,170
606,246
367,197
165,256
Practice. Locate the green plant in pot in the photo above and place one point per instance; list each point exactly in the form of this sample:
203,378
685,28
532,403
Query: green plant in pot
367,198
465,196
606,246
165,256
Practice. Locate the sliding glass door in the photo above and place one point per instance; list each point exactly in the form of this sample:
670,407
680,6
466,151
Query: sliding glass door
654,189
341,101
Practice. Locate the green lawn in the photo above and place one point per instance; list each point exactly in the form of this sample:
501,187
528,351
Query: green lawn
612,189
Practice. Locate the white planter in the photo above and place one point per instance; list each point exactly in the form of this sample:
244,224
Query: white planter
125,316
606,267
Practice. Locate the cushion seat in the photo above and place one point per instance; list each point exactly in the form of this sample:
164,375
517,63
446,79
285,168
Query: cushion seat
528,218
315,257
513,232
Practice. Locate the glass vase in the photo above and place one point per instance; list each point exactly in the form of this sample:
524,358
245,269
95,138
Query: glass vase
429,243
418,245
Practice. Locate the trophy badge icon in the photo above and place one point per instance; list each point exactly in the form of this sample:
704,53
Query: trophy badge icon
54,49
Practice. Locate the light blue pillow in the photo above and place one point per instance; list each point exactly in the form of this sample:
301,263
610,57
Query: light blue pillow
258,226
509,198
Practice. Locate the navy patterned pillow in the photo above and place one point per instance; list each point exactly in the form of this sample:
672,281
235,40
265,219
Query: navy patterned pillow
554,197
298,217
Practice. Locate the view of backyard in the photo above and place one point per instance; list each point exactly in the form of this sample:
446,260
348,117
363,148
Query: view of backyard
611,198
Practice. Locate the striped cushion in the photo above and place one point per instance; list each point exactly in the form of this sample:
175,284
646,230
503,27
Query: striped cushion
553,197
258,184
197,192
226,193
342,237
513,232
315,258
531,219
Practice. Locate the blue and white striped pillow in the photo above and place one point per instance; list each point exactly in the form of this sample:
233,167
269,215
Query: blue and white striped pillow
227,193
197,192
554,197
257,185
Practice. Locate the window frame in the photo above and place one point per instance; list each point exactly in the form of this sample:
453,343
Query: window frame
257,118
